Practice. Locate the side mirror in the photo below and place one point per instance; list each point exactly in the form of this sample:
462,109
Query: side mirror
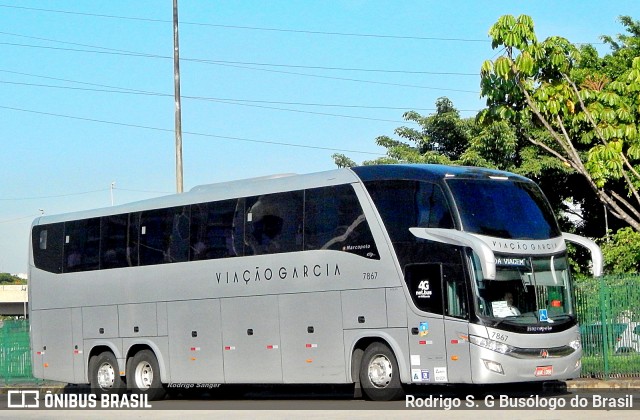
458,238
594,249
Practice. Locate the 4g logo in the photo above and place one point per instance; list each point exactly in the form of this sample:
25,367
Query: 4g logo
424,290
23,399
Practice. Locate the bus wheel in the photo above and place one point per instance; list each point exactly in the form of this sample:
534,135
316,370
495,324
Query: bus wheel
143,375
104,374
379,375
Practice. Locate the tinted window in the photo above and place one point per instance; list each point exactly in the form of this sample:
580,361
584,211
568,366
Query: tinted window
334,220
455,293
81,245
404,204
424,282
119,246
213,230
503,209
47,243
164,236
273,223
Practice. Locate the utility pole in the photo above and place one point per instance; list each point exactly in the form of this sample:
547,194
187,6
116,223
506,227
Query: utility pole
176,83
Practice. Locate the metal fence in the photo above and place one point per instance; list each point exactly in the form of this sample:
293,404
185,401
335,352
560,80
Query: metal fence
608,311
15,354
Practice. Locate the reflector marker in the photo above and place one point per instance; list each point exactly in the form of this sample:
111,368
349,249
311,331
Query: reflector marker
311,346
229,347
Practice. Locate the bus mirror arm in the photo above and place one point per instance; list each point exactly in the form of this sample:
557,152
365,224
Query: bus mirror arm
458,238
594,249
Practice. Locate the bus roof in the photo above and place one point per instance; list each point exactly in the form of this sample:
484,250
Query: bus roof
429,172
215,192
287,182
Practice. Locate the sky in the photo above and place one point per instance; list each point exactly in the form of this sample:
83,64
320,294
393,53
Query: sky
86,89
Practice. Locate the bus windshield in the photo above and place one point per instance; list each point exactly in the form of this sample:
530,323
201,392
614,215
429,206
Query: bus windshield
527,290
503,209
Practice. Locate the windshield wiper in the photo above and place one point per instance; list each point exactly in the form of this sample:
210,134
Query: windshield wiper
502,319
561,317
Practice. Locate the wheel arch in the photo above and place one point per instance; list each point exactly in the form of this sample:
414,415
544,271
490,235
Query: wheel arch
362,341
101,347
153,347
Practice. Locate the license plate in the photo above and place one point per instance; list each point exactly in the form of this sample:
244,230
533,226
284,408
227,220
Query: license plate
544,371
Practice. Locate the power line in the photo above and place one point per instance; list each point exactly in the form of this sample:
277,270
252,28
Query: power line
167,130
258,28
245,67
223,101
43,197
255,28
52,196
119,89
201,60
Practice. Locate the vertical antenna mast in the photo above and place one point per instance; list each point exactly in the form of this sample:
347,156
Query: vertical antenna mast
176,80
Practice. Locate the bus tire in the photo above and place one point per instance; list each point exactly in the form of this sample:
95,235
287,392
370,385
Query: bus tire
104,375
143,375
379,374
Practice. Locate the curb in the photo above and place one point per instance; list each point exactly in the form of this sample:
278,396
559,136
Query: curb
628,383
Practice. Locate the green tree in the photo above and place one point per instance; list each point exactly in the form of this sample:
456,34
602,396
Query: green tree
6,278
621,252
590,115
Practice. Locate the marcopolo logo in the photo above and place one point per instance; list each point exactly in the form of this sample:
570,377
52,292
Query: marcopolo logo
23,399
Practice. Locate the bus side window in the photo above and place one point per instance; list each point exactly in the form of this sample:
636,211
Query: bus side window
47,244
212,230
334,219
423,204
425,285
455,292
164,235
81,245
119,236
274,223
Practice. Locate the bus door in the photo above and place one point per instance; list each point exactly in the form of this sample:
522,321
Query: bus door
456,324
438,339
428,357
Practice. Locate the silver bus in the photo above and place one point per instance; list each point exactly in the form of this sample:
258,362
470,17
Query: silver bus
379,276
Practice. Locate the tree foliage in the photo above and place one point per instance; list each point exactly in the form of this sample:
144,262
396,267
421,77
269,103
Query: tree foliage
621,252
589,107
6,278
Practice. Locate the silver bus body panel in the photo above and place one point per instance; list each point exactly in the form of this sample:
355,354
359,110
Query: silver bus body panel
195,342
311,335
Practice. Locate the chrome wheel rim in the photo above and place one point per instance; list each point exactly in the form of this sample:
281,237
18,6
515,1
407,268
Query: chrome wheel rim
380,371
144,375
106,375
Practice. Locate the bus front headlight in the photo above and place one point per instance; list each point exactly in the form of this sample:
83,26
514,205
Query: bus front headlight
491,344
576,344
